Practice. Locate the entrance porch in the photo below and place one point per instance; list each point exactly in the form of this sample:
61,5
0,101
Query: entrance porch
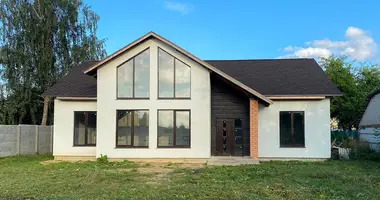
234,121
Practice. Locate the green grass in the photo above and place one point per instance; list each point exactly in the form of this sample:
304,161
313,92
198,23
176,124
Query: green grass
24,177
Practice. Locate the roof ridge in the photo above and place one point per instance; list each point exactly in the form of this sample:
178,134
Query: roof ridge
264,59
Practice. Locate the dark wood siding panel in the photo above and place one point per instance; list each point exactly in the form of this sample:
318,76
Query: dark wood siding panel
227,103
218,146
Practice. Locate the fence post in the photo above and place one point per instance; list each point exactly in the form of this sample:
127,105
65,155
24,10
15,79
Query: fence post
51,138
36,141
18,140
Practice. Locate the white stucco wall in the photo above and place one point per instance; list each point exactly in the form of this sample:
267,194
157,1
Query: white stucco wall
63,140
317,129
199,104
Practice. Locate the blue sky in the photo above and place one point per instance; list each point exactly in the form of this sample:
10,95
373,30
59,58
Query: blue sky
248,29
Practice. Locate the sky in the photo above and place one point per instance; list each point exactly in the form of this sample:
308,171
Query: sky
247,29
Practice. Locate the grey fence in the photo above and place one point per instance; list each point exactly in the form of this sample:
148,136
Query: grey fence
25,139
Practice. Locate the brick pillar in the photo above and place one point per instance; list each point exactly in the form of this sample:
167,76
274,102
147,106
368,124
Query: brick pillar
254,129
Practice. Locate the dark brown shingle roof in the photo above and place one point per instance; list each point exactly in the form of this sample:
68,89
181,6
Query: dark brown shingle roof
75,83
279,76
269,77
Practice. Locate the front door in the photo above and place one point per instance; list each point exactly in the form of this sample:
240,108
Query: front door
225,137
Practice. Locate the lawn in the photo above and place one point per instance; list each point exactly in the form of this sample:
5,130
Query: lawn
24,177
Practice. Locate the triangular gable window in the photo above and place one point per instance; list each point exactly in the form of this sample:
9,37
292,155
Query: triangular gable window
133,77
174,77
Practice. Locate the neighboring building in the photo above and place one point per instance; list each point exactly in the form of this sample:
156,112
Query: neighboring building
369,126
153,99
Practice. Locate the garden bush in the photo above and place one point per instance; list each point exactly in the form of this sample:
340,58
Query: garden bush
362,151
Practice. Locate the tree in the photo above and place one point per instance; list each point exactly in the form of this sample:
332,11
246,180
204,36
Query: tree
356,83
41,40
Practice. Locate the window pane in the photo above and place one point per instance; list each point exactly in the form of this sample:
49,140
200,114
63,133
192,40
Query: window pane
237,123
165,74
238,141
125,80
141,128
124,124
238,132
299,130
142,74
165,128
183,128
79,128
91,128
182,80
285,128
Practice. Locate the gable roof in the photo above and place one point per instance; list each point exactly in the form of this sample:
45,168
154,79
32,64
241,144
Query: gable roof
280,77
75,84
92,70
369,98
261,78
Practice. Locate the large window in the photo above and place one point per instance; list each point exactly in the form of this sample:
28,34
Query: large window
133,77
292,129
174,128
132,128
84,128
173,77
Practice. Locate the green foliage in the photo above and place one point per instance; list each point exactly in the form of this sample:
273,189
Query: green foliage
356,82
40,41
102,159
362,151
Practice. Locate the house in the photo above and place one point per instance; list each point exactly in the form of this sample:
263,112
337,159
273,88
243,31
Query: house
369,126
153,99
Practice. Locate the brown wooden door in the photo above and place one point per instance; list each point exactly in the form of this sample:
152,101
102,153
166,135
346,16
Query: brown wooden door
225,140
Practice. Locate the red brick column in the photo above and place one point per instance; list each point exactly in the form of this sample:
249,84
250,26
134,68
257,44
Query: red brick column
254,129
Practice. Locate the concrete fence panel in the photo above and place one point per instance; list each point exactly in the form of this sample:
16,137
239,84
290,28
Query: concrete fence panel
45,139
8,140
25,139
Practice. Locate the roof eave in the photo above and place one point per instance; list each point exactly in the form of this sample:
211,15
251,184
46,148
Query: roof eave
303,96
77,98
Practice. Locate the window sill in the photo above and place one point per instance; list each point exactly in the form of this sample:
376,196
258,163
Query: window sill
171,98
293,147
87,145
132,147
174,147
133,98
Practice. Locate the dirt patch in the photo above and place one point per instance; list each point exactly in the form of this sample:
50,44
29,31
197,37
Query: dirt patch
155,174
177,165
154,170
124,169
120,170
192,165
47,162
152,183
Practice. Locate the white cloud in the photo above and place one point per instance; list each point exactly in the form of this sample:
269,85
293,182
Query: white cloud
358,45
312,52
289,48
182,8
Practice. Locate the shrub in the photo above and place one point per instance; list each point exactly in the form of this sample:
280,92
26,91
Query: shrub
362,151
350,143
102,159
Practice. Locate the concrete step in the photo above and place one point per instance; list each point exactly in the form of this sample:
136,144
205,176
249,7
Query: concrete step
232,161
